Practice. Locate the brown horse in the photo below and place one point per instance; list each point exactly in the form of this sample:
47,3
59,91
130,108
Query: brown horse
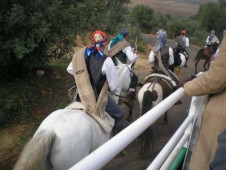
155,89
206,54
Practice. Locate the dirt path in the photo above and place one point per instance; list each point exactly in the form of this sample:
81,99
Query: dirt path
163,131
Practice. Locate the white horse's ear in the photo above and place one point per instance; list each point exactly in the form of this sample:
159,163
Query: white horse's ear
130,65
118,61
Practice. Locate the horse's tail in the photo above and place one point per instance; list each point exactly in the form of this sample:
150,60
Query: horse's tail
146,102
199,55
147,136
35,154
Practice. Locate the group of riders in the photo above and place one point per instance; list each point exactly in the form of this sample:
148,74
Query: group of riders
100,61
93,68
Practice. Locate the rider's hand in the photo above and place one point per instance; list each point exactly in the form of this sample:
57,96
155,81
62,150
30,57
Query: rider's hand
186,80
135,50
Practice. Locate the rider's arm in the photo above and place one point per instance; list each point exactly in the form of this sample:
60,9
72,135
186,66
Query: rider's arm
151,57
215,40
130,54
171,56
109,70
70,69
187,42
207,40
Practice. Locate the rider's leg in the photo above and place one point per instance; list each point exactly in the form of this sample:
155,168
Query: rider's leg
115,111
174,77
220,155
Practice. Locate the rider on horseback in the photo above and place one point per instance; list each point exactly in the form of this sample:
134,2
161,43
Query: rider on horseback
119,47
100,69
182,43
212,40
162,57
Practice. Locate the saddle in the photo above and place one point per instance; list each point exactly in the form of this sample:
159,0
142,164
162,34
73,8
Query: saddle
168,80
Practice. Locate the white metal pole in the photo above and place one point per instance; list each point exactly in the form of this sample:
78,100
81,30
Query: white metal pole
159,160
102,155
175,152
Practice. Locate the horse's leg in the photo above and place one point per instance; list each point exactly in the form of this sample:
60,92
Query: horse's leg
144,144
196,64
166,117
142,148
208,63
129,103
205,64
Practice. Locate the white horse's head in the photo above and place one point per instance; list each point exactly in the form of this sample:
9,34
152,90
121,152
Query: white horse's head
124,74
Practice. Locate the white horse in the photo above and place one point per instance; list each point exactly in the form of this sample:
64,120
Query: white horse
155,89
180,61
124,73
65,137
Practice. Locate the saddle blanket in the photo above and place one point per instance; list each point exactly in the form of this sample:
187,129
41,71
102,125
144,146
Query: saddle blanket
107,123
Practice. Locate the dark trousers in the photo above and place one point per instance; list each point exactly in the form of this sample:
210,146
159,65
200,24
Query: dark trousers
115,111
219,161
173,76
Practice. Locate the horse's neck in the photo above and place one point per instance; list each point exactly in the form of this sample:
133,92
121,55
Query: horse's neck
208,51
124,76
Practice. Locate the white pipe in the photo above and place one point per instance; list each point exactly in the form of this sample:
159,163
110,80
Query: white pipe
159,160
175,152
102,155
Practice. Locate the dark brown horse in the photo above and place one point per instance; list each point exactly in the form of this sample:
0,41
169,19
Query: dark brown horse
155,89
206,54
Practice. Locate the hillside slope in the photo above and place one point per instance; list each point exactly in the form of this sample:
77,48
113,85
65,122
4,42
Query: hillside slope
180,8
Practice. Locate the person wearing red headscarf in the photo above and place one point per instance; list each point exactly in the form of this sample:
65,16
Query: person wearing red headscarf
182,42
101,68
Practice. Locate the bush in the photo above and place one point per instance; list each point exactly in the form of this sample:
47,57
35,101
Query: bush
142,16
34,32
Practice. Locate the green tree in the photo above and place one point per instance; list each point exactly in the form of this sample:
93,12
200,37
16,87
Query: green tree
212,17
161,21
34,32
142,17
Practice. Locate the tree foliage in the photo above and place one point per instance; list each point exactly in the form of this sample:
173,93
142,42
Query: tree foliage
34,32
212,17
142,16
